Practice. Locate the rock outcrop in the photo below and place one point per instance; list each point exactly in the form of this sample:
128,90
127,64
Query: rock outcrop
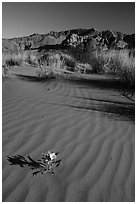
86,38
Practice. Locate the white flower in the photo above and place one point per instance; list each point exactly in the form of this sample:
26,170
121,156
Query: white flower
52,155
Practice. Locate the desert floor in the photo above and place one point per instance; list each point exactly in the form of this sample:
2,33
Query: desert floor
88,122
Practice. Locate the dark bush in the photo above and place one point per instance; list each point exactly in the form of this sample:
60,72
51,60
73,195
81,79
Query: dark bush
11,62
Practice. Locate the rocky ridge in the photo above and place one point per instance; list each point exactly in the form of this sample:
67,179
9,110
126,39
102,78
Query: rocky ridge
83,38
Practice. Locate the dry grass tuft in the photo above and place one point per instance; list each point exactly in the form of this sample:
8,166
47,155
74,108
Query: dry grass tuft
116,62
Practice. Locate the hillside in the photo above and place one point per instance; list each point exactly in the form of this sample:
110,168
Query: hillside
83,38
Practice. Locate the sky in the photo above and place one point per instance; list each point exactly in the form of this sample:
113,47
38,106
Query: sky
25,18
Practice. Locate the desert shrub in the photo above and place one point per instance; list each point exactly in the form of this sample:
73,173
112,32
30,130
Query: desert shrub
127,71
7,72
47,72
122,64
31,59
50,59
12,62
57,61
95,58
83,68
98,61
18,58
116,62
78,54
68,61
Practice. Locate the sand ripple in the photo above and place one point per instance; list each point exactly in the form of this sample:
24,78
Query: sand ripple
95,145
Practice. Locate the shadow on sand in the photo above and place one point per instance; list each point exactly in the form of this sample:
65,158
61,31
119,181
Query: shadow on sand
112,110
117,110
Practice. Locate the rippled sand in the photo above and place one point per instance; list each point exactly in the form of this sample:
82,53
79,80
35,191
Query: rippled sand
89,124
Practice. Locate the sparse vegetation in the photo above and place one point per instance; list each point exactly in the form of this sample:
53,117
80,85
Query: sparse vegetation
53,65
18,58
46,72
68,61
9,60
120,63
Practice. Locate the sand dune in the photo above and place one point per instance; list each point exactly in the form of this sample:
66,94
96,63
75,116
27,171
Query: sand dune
91,127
